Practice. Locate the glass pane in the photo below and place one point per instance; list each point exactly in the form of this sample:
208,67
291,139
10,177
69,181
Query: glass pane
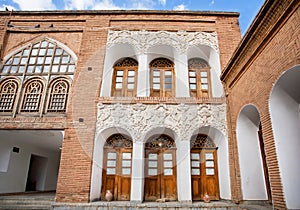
63,68
38,69
192,74
30,69
156,73
195,163
119,79
24,60
42,52
111,171
40,60
54,68
119,73
131,73
156,86
209,156
126,163
192,80
50,45
168,172
168,80
32,60
130,86
21,69
126,156
65,59
58,51
56,60
44,44
152,157
204,87
126,171
71,68
167,156
203,74
46,68
193,86
210,171
119,85
130,79
5,69
195,156
156,80
26,52
152,172
34,52
168,164
152,164
111,155
168,86
48,60
49,51
195,171
168,73
203,80
209,163
16,60
14,69
111,163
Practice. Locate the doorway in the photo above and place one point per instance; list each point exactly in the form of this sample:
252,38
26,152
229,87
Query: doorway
36,173
160,170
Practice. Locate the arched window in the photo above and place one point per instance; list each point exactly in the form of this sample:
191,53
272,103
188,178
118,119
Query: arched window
162,78
9,90
125,78
199,78
44,59
32,96
58,96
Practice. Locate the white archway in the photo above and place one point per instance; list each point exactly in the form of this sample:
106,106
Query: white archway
251,165
284,109
223,158
100,139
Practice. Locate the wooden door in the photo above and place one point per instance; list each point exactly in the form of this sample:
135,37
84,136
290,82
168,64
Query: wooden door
160,181
116,174
204,174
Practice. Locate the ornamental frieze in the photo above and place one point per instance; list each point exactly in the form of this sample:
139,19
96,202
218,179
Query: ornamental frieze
181,40
183,119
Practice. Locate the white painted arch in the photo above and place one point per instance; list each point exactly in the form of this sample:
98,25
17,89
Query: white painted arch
284,107
251,165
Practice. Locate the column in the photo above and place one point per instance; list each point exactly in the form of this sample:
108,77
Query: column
137,180
182,77
184,187
143,87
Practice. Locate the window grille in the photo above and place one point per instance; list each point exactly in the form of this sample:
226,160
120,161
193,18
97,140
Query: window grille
9,89
58,96
32,96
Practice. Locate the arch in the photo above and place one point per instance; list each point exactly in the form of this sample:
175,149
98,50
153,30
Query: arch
32,95
211,56
8,93
58,95
251,162
221,143
125,77
284,106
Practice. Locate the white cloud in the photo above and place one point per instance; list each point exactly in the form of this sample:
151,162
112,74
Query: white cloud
105,5
4,6
162,2
141,4
180,7
212,2
90,4
35,4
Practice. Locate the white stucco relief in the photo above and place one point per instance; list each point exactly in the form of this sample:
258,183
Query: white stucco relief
183,119
181,40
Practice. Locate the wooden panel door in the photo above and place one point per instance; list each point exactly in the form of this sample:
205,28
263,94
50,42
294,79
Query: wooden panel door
116,175
160,181
204,174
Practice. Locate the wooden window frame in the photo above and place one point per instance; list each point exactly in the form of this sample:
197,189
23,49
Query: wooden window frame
199,67
8,98
163,65
26,100
57,101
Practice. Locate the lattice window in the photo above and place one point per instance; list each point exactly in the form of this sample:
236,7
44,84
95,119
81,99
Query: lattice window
58,96
201,141
32,96
159,142
125,78
199,78
118,141
9,89
162,78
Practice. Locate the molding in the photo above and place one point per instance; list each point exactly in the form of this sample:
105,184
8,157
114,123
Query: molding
139,119
143,40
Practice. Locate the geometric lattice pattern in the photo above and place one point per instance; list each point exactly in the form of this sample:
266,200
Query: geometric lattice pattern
159,142
58,96
32,96
202,141
9,90
118,141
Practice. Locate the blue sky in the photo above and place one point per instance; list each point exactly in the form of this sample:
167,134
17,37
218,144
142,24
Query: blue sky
247,9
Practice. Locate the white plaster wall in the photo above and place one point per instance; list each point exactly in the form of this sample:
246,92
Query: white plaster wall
14,180
285,118
251,168
4,156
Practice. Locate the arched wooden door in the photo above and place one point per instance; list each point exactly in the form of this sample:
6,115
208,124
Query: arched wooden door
204,168
160,173
116,175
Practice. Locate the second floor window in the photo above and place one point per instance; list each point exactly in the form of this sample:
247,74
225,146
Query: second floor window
125,78
199,78
162,78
